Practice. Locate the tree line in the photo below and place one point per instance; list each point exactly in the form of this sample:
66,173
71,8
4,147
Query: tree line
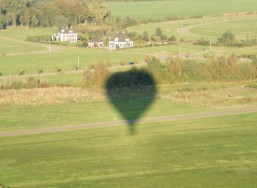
177,70
49,13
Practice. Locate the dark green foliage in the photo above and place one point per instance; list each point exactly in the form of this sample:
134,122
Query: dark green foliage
42,38
202,42
125,22
58,69
228,39
172,38
159,34
22,72
49,13
146,36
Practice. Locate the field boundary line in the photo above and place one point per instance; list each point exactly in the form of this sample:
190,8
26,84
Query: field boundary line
120,123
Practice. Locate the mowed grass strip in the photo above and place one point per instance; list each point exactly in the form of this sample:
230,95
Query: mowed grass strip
209,152
88,112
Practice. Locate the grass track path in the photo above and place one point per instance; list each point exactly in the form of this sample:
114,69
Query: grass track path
119,123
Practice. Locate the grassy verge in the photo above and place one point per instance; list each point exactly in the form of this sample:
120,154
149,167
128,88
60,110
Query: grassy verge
210,152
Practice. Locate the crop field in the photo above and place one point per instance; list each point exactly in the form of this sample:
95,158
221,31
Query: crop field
209,152
182,8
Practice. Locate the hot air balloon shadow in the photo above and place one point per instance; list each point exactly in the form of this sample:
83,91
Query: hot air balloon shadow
131,93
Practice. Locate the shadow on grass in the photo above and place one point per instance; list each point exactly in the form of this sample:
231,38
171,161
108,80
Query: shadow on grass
131,93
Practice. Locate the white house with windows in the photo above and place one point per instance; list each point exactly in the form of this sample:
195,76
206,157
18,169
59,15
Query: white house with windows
66,35
120,40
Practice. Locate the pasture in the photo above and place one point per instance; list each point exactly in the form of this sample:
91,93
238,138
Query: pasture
182,8
208,27
209,152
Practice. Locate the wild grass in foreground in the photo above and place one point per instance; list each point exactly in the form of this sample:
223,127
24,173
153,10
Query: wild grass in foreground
210,152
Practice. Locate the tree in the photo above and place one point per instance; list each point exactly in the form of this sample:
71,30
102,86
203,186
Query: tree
228,38
158,32
50,12
61,21
146,36
25,17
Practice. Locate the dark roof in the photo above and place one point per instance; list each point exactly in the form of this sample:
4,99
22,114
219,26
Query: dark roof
67,30
121,36
95,40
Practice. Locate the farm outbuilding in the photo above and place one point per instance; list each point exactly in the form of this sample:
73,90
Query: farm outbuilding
95,43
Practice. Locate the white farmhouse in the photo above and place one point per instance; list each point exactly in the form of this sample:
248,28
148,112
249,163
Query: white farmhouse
66,35
121,40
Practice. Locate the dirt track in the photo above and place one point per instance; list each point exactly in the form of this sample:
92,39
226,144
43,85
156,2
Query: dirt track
119,123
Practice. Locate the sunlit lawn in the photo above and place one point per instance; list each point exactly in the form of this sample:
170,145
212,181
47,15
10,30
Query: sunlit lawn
209,152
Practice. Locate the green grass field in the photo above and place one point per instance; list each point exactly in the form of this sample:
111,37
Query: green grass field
209,27
88,112
182,8
240,28
204,152
210,152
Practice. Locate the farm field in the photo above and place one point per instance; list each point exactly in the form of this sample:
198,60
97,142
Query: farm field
61,126
182,8
215,152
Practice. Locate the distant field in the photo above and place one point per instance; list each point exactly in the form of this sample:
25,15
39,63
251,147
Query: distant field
209,27
209,152
18,55
21,33
66,59
14,47
241,28
182,8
